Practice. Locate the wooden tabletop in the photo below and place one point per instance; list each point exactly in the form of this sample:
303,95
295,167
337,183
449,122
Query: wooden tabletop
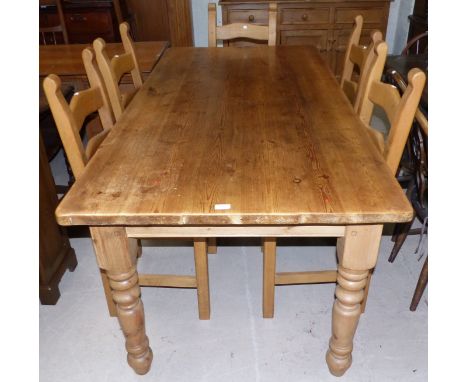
66,60
263,131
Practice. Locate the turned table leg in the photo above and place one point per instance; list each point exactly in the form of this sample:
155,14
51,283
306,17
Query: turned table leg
345,318
357,254
116,254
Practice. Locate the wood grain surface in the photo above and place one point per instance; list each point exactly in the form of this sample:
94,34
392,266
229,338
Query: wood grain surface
66,60
265,131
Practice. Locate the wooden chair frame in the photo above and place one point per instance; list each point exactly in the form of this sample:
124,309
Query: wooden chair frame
241,30
113,70
357,55
401,111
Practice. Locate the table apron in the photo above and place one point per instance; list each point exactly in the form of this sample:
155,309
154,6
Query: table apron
235,231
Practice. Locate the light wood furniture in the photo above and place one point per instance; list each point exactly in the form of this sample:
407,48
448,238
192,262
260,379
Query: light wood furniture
231,152
113,69
416,189
373,64
357,56
325,24
55,253
241,30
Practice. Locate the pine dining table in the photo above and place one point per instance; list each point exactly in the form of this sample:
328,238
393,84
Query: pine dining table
237,142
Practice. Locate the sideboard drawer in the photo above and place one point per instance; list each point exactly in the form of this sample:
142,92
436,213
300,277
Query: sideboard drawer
254,16
291,16
370,15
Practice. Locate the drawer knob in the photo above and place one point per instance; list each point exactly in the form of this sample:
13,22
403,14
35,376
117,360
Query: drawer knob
251,18
305,16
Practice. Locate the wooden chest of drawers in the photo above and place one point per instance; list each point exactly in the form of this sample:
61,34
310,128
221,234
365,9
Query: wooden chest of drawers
325,24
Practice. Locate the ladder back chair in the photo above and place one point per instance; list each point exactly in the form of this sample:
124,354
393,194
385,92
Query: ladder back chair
55,30
113,69
377,57
241,30
400,111
356,56
70,119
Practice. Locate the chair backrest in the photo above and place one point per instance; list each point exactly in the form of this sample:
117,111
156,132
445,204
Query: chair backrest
371,73
52,31
400,111
129,47
70,118
241,30
357,55
112,71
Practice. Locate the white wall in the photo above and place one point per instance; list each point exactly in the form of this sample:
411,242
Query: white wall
397,30
200,21
398,25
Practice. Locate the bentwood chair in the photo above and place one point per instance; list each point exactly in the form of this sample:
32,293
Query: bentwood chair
70,119
400,111
356,56
113,69
48,35
241,30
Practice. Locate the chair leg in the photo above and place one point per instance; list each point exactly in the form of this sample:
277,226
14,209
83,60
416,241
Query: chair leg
201,271
212,246
269,271
405,228
366,291
107,291
396,231
139,249
420,287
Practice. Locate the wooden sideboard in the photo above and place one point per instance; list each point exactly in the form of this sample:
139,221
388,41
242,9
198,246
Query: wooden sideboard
325,24
85,20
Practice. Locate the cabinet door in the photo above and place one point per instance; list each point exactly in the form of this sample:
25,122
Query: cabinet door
316,37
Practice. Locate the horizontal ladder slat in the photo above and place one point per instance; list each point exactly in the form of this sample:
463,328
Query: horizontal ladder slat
313,277
174,281
236,231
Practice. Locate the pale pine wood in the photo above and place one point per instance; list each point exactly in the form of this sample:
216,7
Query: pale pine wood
212,246
108,293
266,181
129,47
241,30
315,277
69,118
400,112
201,271
269,269
348,64
345,318
116,254
287,152
112,70
360,56
236,231
173,281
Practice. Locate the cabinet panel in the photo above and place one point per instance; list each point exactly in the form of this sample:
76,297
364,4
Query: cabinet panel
304,16
85,26
370,15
